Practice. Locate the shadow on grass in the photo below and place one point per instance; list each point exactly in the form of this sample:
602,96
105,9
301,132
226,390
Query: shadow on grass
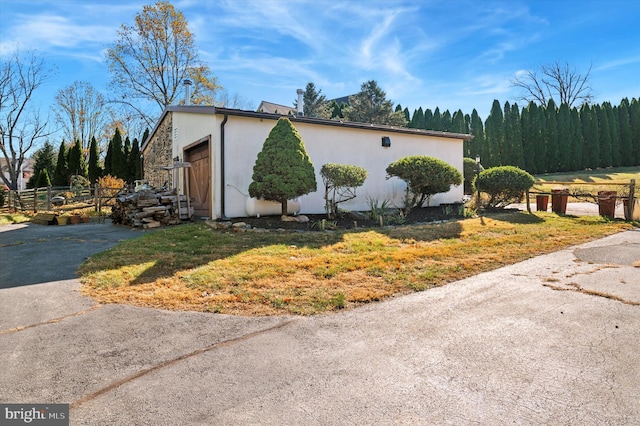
515,217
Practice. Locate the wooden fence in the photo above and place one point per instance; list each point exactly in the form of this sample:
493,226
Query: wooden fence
61,199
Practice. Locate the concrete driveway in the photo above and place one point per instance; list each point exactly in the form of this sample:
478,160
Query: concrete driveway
552,340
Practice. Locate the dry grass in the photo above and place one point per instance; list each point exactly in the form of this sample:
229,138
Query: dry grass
192,267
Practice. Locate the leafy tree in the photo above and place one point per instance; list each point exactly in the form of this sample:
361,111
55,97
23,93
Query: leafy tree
555,81
370,105
504,184
340,184
81,111
314,104
20,125
61,172
151,59
77,166
283,169
424,176
44,158
94,171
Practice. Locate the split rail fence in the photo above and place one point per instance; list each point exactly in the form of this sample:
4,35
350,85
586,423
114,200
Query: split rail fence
55,199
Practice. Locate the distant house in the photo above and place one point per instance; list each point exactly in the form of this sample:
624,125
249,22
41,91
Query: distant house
272,108
26,171
221,146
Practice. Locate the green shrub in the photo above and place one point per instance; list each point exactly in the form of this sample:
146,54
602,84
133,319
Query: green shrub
424,177
469,170
504,185
340,184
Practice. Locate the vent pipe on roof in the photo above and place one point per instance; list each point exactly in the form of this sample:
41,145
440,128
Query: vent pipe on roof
300,103
187,91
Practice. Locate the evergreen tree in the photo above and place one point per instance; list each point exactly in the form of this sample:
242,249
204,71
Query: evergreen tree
477,144
576,160
145,136
458,124
590,132
336,111
283,169
551,136
129,174
314,104
428,120
134,162
43,179
634,119
437,119
528,140
417,121
565,141
604,136
614,132
108,170
446,121
370,105
61,173
626,146
537,134
44,158
77,165
494,136
514,155
94,172
406,114
118,160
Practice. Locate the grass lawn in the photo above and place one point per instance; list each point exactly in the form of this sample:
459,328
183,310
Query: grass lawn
192,267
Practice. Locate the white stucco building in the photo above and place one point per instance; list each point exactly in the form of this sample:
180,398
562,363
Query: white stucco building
222,145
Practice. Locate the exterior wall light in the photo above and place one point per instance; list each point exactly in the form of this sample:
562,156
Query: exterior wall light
386,141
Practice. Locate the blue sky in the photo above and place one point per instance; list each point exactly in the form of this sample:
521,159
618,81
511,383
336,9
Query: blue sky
452,54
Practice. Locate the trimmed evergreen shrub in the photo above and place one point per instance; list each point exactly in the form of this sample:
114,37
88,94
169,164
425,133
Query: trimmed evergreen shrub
504,185
424,177
283,169
340,183
469,172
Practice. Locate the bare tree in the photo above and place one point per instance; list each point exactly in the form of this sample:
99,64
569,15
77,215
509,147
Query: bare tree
82,112
559,82
20,126
151,59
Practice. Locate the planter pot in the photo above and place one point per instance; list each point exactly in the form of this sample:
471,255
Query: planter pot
607,203
62,220
75,219
559,199
542,202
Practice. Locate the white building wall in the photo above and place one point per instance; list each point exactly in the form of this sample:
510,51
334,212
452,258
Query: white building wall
244,137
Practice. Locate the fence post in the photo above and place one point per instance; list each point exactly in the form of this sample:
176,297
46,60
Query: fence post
35,200
97,196
630,206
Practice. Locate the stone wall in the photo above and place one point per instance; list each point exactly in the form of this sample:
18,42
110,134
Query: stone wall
158,153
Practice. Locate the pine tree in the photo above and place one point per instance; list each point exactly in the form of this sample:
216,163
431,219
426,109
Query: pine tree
590,134
528,141
477,144
634,119
134,165
614,132
129,173
44,158
537,134
446,121
145,136
604,136
314,103
417,121
494,136
626,146
513,136
43,179
437,119
94,172
428,120
551,136
61,173
118,160
77,165
565,141
283,169
108,170
406,114
576,160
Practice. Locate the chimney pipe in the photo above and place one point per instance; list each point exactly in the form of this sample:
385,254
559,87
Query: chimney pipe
300,103
187,91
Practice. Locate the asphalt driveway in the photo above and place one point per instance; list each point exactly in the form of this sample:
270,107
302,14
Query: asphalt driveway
552,340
